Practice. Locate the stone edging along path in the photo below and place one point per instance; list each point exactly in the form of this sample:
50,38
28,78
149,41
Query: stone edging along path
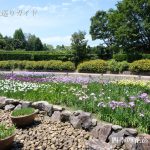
93,76
106,136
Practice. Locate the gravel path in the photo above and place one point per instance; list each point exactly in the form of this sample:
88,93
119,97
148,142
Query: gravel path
47,135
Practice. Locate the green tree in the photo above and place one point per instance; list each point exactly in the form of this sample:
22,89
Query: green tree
60,47
9,43
127,27
99,28
19,39
2,42
34,43
46,47
50,47
1,36
79,45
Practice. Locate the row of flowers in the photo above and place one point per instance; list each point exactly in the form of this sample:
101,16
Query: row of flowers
115,104
49,77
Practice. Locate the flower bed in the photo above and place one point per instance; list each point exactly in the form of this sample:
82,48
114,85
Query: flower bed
123,103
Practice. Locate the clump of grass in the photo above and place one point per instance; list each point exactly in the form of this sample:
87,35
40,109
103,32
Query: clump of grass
23,112
6,131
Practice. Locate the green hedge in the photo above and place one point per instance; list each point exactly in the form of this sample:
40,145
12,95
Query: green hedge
117,67
15,56
93,66
67,57
38,56
146,56
53,65
101,66
127,57
140,66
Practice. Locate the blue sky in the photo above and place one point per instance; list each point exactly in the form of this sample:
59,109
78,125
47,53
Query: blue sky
54,21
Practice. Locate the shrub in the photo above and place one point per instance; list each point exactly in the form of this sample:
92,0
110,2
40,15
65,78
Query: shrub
15,56
140,66
6,65
35,65
92,56
37,56
113,66
93,66
20,64
6,131
68,66
146,56
130,57
56,65
123,66
53,65
120,57
116,67
23,112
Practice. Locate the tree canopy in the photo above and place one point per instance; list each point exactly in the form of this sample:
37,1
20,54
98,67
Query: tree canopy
34,43
126,27
22,41
79,44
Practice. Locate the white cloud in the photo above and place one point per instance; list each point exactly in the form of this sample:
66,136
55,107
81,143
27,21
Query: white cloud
66,4
50,8
29,7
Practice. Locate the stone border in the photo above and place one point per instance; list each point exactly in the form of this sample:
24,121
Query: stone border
96,76
106,136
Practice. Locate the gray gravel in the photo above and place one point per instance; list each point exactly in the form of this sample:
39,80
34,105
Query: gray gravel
47,135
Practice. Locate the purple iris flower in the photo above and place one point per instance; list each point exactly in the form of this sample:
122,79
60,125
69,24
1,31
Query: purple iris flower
131,104
147,101
143,95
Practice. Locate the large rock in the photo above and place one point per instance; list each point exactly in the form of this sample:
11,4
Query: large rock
116,128
81,119
117,138
12,101
131,131
75,121
102,131
2,102
19,106
58,108
124,133
77,113
144,142
94,122
130,143
65,116
44,106
95,144
56,116
25,104
9,107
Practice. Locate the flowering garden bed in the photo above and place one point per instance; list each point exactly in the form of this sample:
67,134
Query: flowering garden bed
125,103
